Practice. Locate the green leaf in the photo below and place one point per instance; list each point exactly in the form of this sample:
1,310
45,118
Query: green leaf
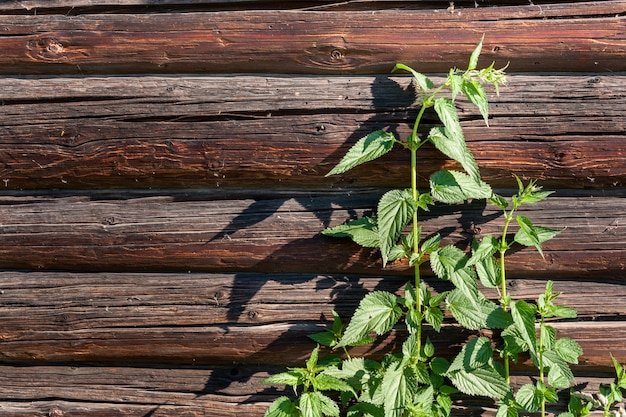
395,209
456,187
529,398
473,90
325,382
488,271
316,404
481,381
378,312
431,244
363,231
559,375
483,250
423,81
524,318
548,336
447,260
454,147
326,338
282,407
292,378
445,109
398,387
568,349
562,312
434,317
368,148
531,235
364,409
475,354
499,201
473,62
475,312
439,366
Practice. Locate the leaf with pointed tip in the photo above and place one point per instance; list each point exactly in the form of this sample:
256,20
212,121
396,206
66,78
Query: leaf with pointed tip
316,404
454,147
368,148
474,91
378,312
481,381
282,407
473,62
456,187
395,209
531,235
524,318
362,231
423,81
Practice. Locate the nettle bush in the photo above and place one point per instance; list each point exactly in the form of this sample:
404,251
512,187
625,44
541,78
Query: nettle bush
414,381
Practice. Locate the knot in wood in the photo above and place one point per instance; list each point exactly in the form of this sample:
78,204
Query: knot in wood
336,55
46,49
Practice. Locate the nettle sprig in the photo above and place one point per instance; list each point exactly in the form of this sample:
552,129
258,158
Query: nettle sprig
414,381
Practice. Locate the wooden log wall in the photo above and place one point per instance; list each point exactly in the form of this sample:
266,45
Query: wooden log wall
162,184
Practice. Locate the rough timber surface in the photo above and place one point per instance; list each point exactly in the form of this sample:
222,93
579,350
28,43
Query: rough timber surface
234,131
530,38
162,186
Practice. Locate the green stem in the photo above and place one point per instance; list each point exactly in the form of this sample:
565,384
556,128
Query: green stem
504,297
541,373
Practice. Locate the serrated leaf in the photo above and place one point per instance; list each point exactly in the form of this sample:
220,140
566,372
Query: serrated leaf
364,409
482,381
548,336
423,81
316,404
454,148
378,312
475,354
531,235
282,407
366,149
395,210
398,387
325,382
499,201
362,231
456,187
524,318
473,62
489,273
529,398
475,312
474,91
455,81
562,312
434,317
485,249
568,349
324,338
559,375
447,260
431,244
445,109
292,378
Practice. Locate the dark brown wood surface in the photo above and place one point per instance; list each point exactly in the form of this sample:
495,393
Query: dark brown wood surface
530,38
213,131
167,233
162,186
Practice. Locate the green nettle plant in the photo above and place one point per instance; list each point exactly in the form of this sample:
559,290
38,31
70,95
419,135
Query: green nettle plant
415,381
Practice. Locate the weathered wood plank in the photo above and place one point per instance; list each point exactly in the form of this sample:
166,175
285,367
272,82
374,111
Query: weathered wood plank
172,392
238,318
179,233
531,38
257,131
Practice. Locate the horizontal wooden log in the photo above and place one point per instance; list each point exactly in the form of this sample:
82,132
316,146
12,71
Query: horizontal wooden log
192,232
241,318
172,392
214,131
532,38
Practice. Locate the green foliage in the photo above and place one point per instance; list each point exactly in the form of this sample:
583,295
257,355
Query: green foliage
414,382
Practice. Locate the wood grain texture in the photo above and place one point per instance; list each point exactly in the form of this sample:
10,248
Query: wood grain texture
178,233
246,318
532,38
173,392
213,131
